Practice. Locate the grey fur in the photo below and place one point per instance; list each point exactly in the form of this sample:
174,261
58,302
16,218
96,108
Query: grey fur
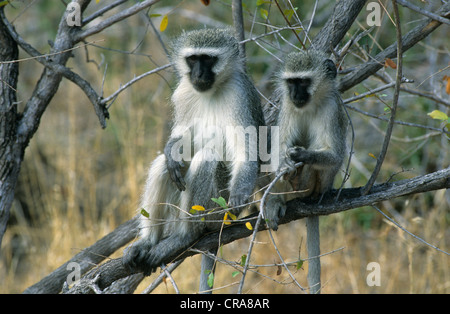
315,135
174,186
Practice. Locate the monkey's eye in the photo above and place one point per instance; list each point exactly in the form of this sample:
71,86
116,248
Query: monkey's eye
299,82
203,59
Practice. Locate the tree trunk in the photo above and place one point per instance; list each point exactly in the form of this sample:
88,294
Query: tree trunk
11,152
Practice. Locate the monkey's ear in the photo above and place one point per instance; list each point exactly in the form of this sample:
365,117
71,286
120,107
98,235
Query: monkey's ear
330,67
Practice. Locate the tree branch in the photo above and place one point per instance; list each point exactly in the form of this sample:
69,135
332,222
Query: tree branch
344,14
114,19
398,82
89,257
296,209
409,40
419,10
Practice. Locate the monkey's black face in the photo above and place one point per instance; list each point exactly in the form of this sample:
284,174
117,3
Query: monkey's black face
202,76
298,91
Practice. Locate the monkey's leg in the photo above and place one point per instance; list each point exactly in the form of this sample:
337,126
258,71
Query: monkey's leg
159,193
200,187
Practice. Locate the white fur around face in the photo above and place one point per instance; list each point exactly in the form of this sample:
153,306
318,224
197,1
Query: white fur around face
214,52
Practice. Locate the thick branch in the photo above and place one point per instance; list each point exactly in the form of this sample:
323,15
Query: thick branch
297,209
344,14
88,257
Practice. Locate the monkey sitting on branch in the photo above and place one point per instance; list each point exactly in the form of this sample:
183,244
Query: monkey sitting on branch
312,130
212,150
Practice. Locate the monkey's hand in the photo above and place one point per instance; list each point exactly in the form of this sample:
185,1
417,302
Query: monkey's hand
238,198
174,169
274,210
287,166
298,154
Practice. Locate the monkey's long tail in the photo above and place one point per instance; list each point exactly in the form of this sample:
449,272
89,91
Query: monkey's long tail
207,267
313,246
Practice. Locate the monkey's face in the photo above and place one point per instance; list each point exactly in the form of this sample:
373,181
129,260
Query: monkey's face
298,89
307,77
201,72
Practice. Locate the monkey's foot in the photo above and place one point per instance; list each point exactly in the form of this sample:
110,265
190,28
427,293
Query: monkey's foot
136,257
274,211
146,258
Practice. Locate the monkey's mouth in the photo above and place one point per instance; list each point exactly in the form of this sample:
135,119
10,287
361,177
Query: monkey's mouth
202,86
300,103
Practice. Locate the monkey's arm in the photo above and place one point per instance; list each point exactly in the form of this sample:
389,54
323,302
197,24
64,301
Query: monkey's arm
319,158
242,183
173,166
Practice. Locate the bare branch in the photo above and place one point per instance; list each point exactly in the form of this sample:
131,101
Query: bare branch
114,19
131,82
398,82
102,11
296,209
239,30
431,15
409,40
344,14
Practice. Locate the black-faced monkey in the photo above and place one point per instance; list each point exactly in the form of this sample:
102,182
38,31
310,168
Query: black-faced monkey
312,129
214,103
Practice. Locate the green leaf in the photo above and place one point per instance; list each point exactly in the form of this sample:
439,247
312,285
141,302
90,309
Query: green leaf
145,213
299,264
3,3
243,260
235,273
264,13
438,115
289,13
261,2
221,201
210,280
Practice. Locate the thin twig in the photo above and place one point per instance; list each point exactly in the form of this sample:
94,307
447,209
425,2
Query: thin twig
411,234
134,80
419,10
390,126
114,19
258,221
159,279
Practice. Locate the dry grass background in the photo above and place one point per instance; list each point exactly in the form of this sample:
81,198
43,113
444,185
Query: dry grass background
79,182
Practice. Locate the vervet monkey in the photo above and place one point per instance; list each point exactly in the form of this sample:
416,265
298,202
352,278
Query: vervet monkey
212,149
312,126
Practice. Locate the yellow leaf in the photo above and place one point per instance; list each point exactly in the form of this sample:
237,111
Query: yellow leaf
97,1
249,225
438,115
164,22
198,208
233,217
225,219
372,155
